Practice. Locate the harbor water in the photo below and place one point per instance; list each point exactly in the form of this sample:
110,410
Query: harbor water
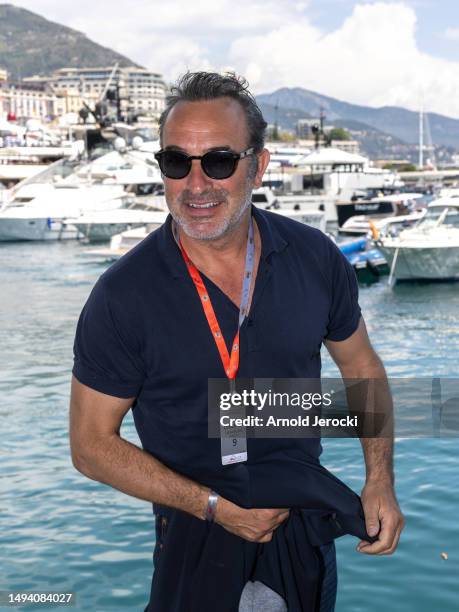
62,532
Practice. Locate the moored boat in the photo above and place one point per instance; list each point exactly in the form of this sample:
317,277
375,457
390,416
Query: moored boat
355,217
430,250
368,262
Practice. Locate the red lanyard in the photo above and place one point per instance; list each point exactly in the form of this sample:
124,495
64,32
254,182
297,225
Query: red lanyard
230,361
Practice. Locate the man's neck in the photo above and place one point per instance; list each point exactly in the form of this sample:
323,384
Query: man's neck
221,251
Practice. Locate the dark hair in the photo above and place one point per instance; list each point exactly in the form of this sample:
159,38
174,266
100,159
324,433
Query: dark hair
195,86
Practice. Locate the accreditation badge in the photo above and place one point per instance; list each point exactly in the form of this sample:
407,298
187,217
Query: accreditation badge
233,439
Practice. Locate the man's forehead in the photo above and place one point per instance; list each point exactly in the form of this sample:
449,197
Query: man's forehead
219,117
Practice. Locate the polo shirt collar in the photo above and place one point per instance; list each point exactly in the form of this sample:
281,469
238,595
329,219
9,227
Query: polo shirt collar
271,241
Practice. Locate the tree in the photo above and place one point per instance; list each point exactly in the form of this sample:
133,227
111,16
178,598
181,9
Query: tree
339,133
400,167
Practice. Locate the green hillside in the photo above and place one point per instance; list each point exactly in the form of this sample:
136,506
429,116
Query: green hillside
30,44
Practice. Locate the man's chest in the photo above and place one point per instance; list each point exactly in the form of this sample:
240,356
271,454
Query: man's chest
282,335
233,283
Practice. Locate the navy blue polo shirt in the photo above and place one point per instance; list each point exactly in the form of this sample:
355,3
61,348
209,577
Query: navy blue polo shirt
143,334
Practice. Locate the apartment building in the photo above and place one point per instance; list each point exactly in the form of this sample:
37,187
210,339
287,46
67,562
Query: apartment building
31,100
140,91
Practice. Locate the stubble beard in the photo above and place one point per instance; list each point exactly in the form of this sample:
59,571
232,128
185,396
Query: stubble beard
226,225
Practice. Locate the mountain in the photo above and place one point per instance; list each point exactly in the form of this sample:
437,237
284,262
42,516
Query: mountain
30,44
374,143
401,124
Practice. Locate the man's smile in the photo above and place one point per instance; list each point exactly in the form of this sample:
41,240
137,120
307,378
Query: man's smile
203,204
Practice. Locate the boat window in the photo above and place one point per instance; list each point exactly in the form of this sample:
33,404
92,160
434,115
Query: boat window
62,168
431,217
312,182
22,200
259,197
146,133
452,217
143,189
273,183
373,207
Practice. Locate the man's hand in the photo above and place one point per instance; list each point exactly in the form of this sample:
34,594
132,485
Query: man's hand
254,525
383,515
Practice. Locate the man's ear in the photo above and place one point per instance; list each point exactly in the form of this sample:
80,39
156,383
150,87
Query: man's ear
262,164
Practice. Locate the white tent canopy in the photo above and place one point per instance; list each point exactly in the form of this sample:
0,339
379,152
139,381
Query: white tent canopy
330,155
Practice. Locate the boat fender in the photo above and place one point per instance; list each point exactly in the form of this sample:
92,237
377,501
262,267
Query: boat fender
374,231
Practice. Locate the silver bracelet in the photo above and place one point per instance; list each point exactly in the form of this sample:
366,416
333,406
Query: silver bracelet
211,506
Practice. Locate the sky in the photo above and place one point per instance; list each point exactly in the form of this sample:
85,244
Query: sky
403,53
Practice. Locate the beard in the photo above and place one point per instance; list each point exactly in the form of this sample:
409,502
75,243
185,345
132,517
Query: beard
220,227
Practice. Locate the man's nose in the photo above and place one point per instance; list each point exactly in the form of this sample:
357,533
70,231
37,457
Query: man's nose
197,179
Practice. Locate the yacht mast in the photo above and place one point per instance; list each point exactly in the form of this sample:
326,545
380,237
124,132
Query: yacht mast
421,136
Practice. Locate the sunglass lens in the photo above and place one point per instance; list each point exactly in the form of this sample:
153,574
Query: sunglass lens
174,164
219,164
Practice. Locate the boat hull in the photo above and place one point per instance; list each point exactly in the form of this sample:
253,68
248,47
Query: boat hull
29,229
415,263
103,232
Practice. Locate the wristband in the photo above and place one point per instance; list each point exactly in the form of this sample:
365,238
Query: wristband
211,506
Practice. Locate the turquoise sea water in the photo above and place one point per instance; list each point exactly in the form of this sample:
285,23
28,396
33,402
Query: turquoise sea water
62,532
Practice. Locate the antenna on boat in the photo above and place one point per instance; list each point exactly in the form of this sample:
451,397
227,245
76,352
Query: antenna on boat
429,147
109,82
276,125
421,133
424,129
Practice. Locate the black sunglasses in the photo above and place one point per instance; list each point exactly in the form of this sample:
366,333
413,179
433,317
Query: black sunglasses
216,164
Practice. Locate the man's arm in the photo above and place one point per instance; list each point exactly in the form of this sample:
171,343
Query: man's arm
356,358
99,452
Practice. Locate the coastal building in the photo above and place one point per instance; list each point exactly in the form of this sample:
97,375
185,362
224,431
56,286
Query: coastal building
304,127
349,146
141,91
29,100
311,131
65,100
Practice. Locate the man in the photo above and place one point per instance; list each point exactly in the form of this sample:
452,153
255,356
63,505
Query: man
175,312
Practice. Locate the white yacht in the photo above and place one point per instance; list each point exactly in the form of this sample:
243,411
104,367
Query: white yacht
45,206
49,216
286,156
448,192
136,170
337,175
397,209
430,250
293,207
100,226
121,243
27,150
313,218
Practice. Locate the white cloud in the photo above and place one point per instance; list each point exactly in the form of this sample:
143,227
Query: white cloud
371,58
170,36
